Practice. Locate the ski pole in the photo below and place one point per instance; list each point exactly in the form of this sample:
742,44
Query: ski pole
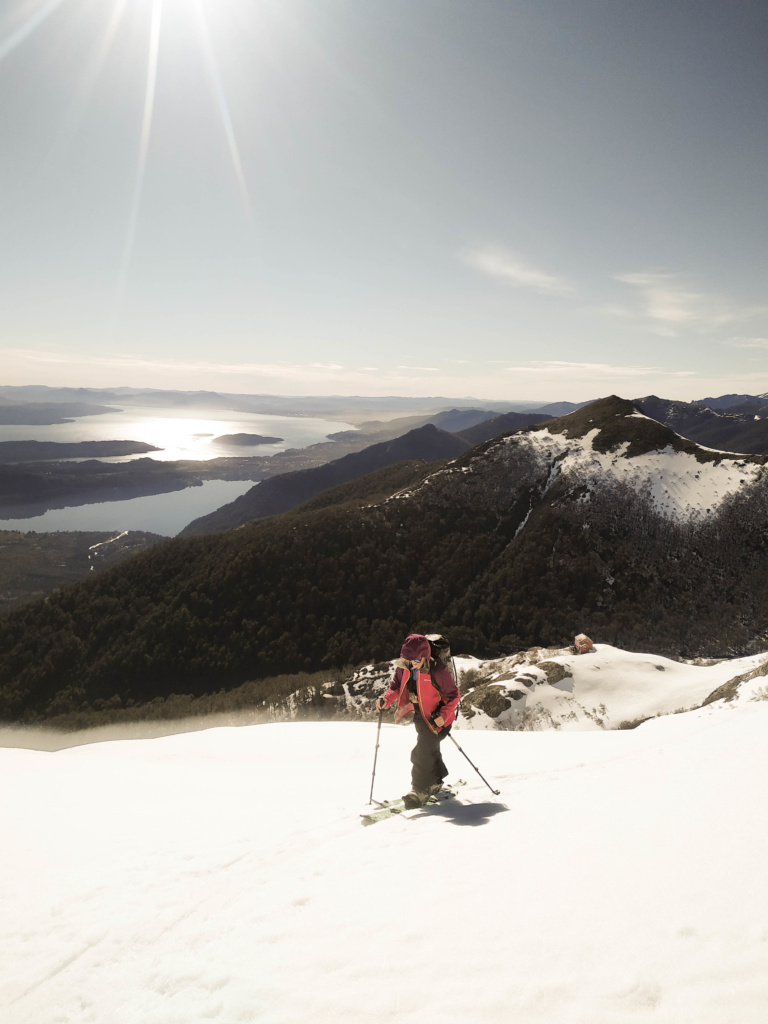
375,756
495,792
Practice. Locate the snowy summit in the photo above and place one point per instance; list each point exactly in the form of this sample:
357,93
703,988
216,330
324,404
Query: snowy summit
611,442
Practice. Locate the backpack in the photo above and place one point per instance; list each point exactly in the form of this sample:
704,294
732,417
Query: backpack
440,650
441,653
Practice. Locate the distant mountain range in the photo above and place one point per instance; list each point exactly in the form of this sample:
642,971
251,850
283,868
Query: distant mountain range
47,413
736,403
603,521
280,493
726,431
287,490
505,423
738,427
352,407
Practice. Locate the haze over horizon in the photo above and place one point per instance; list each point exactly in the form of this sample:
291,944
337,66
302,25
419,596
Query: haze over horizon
512,201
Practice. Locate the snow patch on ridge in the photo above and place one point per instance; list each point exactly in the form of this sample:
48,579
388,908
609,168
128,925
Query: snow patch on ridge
678,485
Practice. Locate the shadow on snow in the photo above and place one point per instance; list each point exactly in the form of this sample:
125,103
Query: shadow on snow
464,814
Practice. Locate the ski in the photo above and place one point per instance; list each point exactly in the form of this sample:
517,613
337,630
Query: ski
388,808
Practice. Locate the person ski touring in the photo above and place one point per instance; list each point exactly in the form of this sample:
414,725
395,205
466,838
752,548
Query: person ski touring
423,686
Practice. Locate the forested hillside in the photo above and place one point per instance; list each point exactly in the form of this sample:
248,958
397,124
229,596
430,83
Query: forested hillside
502,424
521,541
287,490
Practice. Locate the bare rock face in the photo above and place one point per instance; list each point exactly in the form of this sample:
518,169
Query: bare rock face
491,698
555,671
729,691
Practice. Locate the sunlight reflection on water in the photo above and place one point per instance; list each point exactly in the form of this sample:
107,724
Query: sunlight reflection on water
181,435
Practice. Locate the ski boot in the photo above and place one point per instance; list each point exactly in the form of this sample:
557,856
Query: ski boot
416,798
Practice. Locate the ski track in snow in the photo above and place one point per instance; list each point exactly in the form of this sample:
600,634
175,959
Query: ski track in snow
224,876
679,486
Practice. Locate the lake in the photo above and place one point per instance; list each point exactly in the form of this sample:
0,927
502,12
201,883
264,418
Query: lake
183,433
187,433
165,514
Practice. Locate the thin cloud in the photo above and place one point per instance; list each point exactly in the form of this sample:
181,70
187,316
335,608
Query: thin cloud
594,371
748,342
673,305
84,368
126,362
515,269
615,309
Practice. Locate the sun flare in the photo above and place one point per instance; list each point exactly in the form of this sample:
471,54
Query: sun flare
156,23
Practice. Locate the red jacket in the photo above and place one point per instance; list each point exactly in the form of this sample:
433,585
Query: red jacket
436,693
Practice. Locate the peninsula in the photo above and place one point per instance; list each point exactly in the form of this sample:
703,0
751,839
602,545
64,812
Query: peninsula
41,451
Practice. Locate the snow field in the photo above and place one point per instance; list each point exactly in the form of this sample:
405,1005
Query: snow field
679,485
225,876
605,688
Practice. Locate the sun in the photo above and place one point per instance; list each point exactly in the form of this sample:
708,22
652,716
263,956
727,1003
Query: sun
156,21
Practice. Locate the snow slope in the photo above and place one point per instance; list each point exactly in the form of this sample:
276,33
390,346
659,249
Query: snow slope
224,876
600,690
678,484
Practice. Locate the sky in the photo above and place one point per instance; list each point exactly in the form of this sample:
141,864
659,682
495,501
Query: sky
534,200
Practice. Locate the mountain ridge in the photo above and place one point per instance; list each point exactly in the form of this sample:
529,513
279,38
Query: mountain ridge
283,492
736,428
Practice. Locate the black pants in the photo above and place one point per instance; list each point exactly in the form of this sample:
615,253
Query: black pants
428,765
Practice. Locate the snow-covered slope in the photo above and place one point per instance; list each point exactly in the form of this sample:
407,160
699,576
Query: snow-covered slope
553,688
612,442
606,689
677,482
224,876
